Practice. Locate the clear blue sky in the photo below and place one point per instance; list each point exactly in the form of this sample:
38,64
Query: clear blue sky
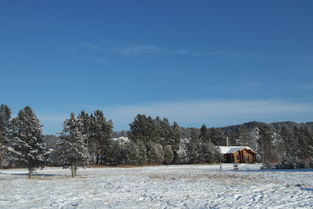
212,62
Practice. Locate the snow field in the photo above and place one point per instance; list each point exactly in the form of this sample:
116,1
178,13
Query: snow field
179,186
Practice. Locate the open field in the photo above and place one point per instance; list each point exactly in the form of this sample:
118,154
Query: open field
182,186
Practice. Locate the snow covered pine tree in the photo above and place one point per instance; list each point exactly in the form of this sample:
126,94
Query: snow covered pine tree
5,116
73,151
26,141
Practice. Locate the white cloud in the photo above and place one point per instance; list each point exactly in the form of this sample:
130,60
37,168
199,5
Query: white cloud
147,49
139,49
231,54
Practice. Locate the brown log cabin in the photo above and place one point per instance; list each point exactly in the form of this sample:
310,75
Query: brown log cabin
238,154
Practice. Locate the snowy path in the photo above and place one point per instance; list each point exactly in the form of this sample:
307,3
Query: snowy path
183,186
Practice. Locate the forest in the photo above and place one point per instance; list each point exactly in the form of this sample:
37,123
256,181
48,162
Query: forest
89,139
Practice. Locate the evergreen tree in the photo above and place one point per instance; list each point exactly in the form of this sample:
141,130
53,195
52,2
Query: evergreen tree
176,135
288,155
5,116
243,136
266,145
168,154
204,134
143,129
194,150
73,150
175,143
303,149
216,135
142,153
194,134
115,153
163,131
87,121
26,143
100,132
132,153
136,153
155,153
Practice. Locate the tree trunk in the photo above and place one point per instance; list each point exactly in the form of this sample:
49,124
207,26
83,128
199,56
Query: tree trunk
97,159
72,171
75,170
2,152
1,160
30,171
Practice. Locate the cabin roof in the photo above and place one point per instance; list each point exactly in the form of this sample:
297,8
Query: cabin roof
232,149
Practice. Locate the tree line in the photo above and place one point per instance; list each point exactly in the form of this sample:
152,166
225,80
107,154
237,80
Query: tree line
89,139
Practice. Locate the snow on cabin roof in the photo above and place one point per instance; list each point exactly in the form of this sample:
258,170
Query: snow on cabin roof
231,149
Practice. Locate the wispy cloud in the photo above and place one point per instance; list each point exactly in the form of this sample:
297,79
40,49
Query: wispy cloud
148,49
139,49
231,54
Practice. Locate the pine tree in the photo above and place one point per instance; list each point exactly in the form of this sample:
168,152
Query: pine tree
168,154
288,155
194,150
73,150
176,136
5,116
216,136
143,129
194,134
132,153
136,153
115,153
87,121
155,153
267,147
26,143
243,136
101,131
204,135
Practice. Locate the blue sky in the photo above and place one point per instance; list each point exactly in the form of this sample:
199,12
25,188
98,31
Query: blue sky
212,62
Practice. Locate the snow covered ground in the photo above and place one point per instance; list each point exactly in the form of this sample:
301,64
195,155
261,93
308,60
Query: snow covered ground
182,186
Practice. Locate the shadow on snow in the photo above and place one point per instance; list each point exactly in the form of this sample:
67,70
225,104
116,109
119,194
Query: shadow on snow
34,174
307,189
276,170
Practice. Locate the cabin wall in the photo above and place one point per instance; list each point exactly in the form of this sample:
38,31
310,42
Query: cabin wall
228,158
242,156
237,157
248,157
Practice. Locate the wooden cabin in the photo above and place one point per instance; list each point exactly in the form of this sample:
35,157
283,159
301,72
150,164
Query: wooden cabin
238,154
